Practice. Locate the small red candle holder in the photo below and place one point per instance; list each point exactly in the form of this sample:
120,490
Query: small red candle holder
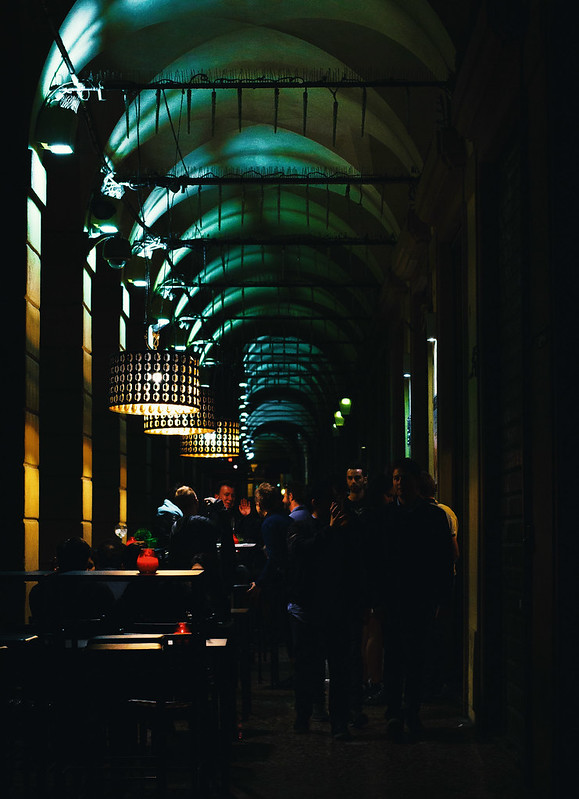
182,628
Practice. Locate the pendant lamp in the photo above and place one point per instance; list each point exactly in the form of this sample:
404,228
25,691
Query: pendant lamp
345,406
184,424
223,442
154,382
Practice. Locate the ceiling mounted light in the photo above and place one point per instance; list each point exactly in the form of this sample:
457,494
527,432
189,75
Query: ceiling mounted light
154,382
117,251
338,419
184,424
223,442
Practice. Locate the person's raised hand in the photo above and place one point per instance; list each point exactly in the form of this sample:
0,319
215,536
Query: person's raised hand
244,507
337,516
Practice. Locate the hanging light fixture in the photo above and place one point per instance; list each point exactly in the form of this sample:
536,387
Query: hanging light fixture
223,442
154,382
184,424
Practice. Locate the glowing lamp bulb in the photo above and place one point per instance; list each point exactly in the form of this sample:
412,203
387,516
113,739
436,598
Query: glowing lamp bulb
345,406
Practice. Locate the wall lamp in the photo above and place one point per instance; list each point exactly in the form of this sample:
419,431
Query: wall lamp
56,129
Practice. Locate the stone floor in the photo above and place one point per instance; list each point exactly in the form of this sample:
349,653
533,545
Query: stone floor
270,761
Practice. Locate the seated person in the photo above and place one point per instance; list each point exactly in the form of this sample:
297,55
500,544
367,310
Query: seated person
111,555
194,544
57,601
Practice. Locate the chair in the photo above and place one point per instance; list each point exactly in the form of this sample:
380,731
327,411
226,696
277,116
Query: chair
22,760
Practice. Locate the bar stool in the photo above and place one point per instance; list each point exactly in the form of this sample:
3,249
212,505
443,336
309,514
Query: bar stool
162,681
173,678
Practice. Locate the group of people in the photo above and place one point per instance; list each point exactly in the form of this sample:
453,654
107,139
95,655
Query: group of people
190,532
351,577
362,575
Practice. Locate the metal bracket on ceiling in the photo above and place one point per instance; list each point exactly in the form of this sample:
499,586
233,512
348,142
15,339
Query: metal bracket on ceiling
274,178
102,83
306,239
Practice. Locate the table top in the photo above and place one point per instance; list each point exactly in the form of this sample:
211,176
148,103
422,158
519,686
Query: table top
95,574
244,545
112,641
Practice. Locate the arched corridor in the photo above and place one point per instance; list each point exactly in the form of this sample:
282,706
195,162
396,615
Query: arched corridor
308,201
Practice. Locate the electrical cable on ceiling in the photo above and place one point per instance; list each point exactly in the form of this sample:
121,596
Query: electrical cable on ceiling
334,117
363,111
127,118
276,108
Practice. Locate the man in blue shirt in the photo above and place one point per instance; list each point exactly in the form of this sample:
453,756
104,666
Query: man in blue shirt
270,585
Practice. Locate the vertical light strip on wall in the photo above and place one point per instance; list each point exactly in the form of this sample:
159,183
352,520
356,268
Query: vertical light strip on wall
432,407
87,449
407,415
31,456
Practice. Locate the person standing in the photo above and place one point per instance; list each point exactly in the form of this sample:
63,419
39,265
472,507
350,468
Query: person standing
320,605
294,502
234,525
440,668
417,570
428,492
166,517
361,516
221,513
303,568
270,585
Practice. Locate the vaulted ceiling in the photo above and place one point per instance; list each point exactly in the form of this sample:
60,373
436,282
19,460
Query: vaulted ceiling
261,157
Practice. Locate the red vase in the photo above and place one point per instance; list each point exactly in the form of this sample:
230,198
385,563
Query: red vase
147,562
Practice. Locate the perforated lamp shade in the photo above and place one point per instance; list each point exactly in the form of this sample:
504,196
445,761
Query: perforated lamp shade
223,442
154,382
184,424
